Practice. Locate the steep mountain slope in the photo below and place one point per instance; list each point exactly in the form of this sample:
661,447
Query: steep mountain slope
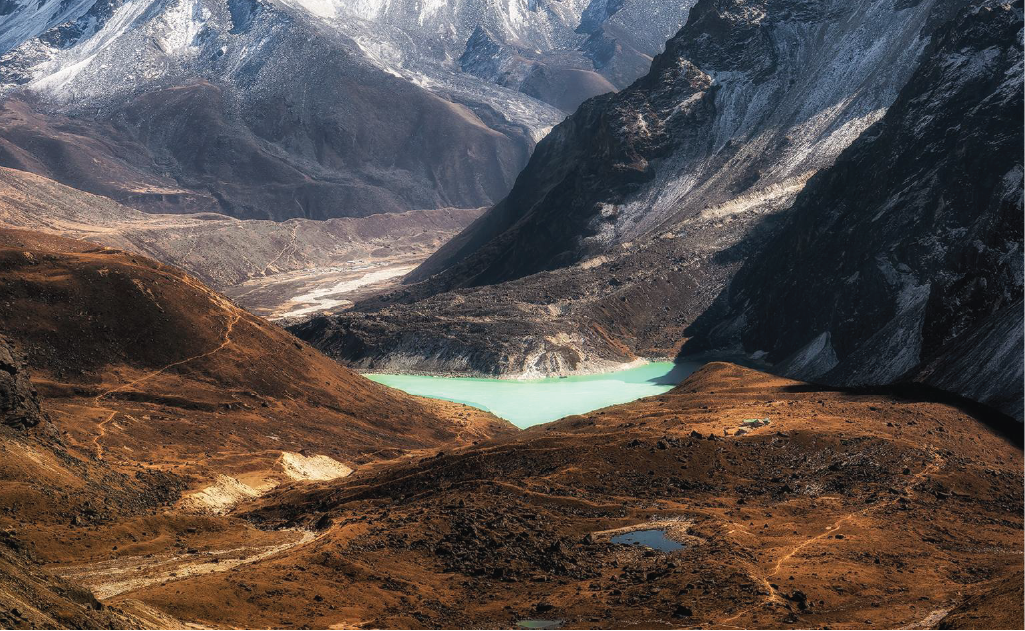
267,266
633,213
748,99
848,510
904,259
137,407
132,356
249,108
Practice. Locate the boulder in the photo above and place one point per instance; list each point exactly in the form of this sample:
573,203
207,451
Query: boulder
19,405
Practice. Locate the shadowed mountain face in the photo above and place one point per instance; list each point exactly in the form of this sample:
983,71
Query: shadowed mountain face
904,259
632,214
746,102
19,405
267,112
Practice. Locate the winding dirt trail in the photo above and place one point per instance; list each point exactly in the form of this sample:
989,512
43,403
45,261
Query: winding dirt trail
227,340
292,245
233,319
114,577
102,431
774,597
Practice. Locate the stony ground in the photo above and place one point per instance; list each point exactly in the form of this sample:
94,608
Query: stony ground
190,464
848,510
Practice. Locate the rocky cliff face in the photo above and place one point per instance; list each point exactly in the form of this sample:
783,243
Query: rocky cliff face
904,260
633,213
747,101
19,406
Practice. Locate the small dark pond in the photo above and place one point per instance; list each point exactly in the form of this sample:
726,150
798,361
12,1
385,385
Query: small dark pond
535,623
654,538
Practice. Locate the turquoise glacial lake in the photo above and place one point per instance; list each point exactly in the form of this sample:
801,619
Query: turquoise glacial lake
529,402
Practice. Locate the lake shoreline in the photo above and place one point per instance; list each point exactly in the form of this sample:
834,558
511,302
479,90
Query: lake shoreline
598,367
529,402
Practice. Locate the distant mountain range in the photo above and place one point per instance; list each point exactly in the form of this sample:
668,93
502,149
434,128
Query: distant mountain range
270,109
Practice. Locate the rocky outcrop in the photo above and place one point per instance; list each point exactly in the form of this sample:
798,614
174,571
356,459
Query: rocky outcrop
904,260
530,343
19,406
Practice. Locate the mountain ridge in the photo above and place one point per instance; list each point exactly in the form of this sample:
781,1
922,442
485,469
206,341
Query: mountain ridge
187,113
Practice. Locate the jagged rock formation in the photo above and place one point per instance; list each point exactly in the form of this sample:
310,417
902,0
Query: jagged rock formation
904,260
19,405
634,212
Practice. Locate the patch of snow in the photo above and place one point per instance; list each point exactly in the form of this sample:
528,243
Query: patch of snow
832,79
34,17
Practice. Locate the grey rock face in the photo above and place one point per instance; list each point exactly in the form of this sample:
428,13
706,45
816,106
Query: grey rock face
747,101
903,261
19,407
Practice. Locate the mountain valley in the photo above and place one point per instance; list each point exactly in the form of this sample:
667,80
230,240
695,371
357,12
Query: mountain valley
267,266
780,526
607,249
694,314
